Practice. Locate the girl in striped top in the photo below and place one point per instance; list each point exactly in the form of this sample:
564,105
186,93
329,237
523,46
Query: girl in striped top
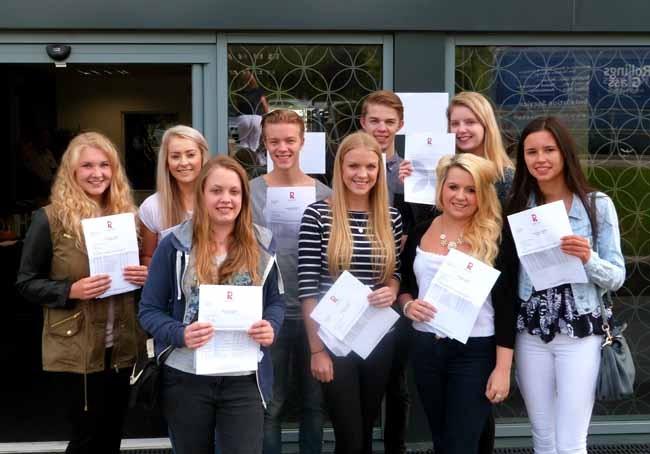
354,230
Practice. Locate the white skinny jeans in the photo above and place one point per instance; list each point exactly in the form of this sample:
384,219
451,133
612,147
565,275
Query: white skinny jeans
558,383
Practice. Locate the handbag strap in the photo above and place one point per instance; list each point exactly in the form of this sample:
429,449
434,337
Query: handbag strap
594,235
165,354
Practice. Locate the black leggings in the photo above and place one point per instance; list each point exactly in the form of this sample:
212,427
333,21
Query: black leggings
353,398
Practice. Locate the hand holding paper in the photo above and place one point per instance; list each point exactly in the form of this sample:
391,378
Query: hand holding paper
537,233
458,290
423,151
112,245
234,313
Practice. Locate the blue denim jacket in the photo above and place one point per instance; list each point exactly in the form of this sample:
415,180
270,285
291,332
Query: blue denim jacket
605,269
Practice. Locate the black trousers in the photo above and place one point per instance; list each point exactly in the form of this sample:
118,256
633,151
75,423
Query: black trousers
398,399
97,416
451,379
201,409
353,398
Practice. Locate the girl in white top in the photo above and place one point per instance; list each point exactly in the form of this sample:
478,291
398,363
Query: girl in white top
183,152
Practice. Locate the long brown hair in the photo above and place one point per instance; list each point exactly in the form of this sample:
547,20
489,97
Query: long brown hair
243,251
380,232
524,184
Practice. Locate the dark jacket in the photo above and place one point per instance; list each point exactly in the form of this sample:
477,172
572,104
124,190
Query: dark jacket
162,306
504,292
73,330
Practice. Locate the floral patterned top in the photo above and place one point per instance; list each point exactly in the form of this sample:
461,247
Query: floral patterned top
551,311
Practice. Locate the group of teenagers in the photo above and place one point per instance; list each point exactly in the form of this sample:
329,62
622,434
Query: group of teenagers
207,224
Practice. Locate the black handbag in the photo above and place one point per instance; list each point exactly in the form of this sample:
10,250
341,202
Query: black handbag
617,371
145,380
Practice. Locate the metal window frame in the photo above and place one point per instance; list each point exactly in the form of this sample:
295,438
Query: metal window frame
224,39
621,424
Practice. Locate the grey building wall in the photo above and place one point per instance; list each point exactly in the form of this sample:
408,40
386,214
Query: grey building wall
334,15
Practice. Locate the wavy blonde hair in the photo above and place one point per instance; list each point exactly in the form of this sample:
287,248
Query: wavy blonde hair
171,204
484,230
69,201
243,250
493,148
380,231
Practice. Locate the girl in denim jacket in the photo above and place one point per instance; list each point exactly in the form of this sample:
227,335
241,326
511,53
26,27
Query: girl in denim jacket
557,350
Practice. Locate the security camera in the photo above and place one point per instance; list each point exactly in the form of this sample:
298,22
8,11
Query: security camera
58,52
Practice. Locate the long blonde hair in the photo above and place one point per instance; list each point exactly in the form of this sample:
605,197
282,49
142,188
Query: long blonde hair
380,232
171,204
484,229
493,149
243,250
69,201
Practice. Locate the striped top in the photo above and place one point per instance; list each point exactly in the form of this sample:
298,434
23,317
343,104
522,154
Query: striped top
313,273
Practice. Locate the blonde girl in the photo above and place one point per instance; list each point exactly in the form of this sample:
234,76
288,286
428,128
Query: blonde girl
457,381
90,343
353,230
183,151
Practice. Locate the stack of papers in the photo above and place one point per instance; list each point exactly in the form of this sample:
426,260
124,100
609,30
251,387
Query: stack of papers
458,291
347,322
231,310
537,234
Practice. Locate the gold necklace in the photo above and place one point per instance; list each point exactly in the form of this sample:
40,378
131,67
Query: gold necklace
444,242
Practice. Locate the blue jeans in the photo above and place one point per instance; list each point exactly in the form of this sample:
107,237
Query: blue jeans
292,364
200,409
451,378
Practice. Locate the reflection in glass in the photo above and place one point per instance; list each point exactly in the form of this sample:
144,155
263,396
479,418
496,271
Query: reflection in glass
603,95
325,84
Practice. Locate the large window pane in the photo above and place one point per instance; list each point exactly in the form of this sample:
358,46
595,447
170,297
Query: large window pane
325,84
603,95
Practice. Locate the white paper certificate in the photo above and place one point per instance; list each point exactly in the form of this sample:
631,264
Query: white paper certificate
312,155
424,150
424,112
348,322
537,232
227,352
230,307
112,244
231,310
370,329
283,212
458,290
342,306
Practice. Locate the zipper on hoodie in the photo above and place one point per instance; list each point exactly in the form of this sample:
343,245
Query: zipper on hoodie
259,389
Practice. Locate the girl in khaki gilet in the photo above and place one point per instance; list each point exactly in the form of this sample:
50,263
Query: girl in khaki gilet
88,343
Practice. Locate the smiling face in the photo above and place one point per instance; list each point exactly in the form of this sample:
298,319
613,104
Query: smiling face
184,160
543,157
223,196
359,171
382,122
93,172
470,133
284,141
459,194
